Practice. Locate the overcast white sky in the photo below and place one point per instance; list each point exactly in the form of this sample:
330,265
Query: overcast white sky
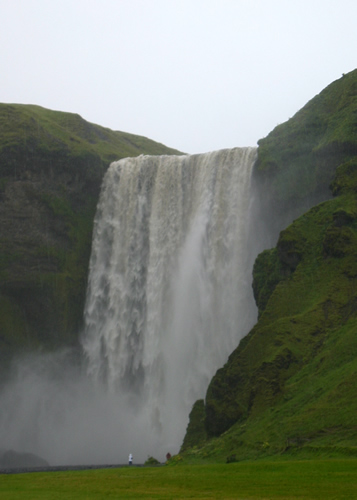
196,75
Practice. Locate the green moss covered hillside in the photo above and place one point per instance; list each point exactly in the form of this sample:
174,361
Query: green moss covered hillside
298,159
289,388
51,168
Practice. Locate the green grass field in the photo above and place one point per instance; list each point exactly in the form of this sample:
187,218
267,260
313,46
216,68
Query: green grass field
315,479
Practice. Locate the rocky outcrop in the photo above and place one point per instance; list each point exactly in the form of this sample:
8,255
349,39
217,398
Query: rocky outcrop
196,434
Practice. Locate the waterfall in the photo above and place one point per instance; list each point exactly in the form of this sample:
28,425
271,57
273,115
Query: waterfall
169,289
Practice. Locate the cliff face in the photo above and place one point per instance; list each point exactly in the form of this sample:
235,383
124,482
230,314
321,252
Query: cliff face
289,386
51,168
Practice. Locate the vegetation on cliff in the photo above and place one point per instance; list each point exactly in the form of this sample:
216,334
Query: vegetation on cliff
51,169
298,159
290,385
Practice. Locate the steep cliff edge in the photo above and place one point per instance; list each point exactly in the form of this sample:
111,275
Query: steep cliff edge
51,168
290,385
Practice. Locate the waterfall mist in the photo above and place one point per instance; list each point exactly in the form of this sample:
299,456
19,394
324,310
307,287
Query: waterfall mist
169,297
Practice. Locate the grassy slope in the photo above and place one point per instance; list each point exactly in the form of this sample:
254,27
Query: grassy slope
51,168
23,125
290,385
299,157
294,376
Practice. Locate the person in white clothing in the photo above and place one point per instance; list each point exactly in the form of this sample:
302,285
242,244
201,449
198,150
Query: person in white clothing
130,459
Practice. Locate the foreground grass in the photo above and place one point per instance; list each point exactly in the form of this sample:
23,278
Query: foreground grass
318,479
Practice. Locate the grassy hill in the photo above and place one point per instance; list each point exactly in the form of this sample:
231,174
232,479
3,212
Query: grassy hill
289,388
298,159
51,169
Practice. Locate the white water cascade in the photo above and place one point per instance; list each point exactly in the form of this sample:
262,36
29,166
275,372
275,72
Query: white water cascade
169,294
